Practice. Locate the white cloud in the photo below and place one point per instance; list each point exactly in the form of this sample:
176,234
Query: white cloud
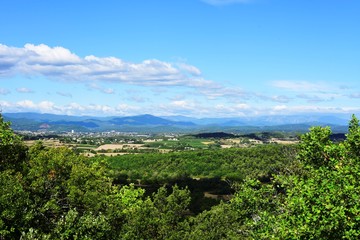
226,110
24,90
4,105
26,104
43,106
9,58
69,109
46,106
43,54
74,107
99,108
60,63
280,108
301,109
181,104
182,107
189,68
225,2
203,110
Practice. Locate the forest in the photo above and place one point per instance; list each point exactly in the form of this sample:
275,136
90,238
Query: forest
305,191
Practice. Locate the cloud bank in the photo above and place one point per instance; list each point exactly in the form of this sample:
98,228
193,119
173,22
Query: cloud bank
61,64
184,107
199,97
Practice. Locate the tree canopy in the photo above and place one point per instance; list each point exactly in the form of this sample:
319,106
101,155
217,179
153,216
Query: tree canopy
54,193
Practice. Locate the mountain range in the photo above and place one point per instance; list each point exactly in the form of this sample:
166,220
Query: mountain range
148,123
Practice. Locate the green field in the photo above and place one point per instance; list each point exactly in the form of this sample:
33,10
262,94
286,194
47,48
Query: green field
182,143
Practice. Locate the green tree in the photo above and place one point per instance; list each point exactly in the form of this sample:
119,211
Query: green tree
160,218
322,203
14,205
313,146
353,137
12,150
14,200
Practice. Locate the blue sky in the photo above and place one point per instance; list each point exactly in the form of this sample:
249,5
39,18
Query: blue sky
199,58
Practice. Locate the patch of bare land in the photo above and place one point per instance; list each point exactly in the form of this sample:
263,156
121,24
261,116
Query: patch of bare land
89,154
234,140
47,143
152,140
280,141
254,141
226,146
164,150
120,146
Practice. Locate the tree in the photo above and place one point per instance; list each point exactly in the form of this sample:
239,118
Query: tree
353,137
12,150
322,203
14,200
158,218
14,205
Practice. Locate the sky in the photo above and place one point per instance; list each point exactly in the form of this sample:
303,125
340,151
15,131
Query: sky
196,58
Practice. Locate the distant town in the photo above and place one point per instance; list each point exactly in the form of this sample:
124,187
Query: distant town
113,143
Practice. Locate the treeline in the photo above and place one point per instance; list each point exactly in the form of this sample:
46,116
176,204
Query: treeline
53,193
202,171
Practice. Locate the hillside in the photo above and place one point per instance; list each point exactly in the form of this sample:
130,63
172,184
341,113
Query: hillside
149,123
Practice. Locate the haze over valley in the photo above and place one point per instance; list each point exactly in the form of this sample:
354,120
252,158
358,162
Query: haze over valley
178,124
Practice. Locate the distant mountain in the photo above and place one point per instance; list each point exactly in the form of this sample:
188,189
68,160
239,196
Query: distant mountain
208,121
271,120
149,123
37,121
313,119
86,124
148,119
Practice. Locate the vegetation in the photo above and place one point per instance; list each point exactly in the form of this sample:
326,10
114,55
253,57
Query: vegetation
214,135
233,164
54,193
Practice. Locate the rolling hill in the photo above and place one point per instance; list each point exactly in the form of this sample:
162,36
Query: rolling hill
148,123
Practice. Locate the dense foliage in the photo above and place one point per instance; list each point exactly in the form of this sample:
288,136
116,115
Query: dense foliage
53,193
234,164
321,201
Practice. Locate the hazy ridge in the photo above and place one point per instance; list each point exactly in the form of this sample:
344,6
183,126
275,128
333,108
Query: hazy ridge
148,123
